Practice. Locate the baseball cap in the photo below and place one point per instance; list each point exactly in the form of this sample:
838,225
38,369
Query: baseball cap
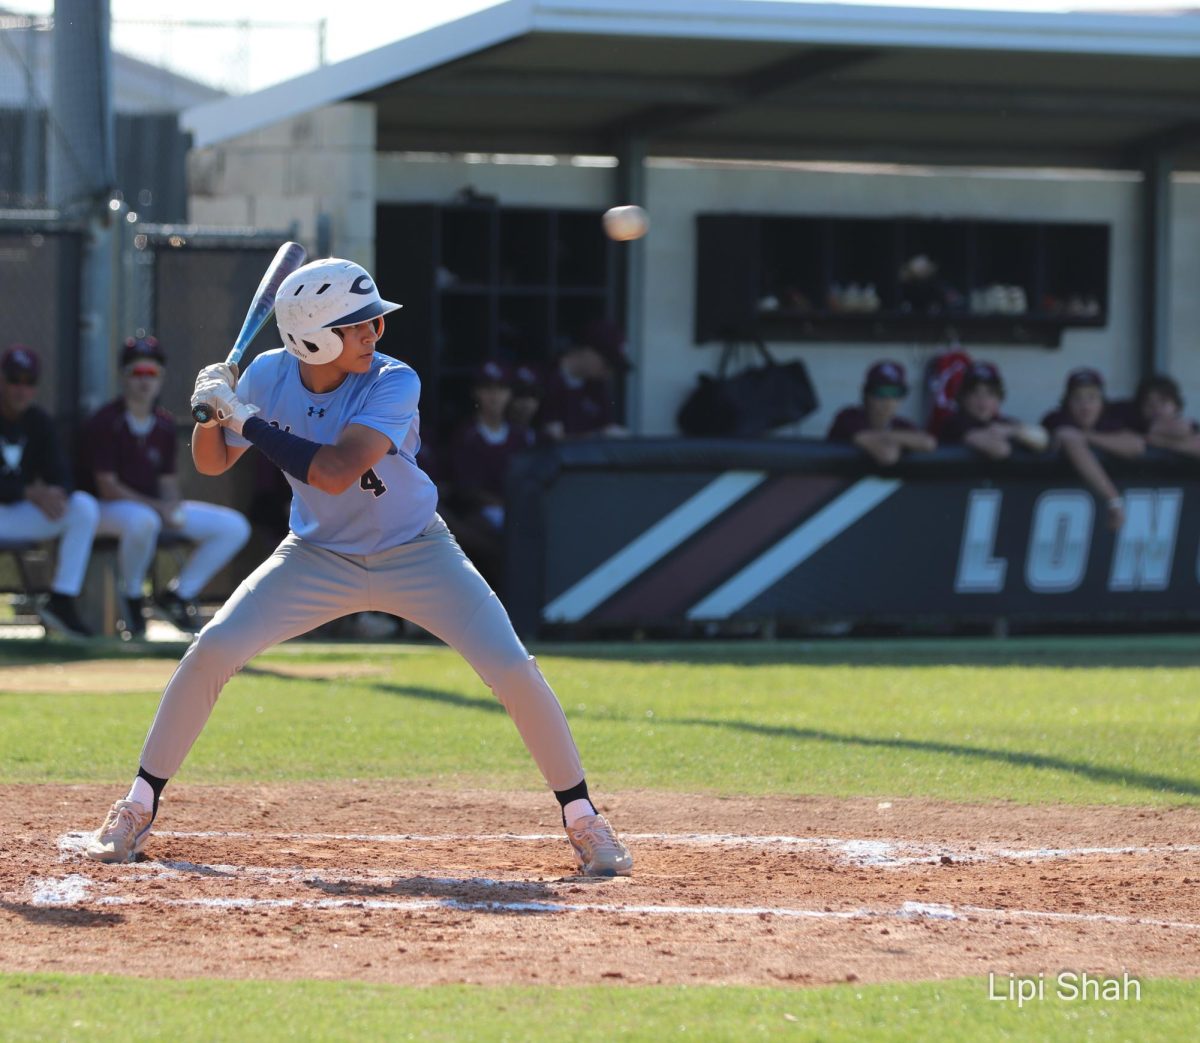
607,338
142,349
20,365
526,381
981,373
1084,376
886,379
491,372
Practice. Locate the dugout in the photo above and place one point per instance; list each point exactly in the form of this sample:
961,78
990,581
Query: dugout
835,138
924,121
1012,147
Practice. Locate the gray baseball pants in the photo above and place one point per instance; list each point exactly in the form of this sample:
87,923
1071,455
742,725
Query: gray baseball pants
427,580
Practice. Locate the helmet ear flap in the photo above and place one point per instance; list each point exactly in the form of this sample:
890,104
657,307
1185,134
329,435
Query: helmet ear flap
315,348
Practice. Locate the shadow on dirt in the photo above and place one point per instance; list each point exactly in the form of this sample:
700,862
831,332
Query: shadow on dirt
481,895
62,916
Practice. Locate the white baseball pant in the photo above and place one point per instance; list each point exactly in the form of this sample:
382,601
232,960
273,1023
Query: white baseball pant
74,532
217,532
427,580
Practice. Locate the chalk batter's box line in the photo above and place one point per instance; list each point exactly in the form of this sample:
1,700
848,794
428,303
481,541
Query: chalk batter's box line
888,853
73,891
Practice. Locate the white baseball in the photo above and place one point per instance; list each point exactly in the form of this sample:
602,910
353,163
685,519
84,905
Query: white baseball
626,222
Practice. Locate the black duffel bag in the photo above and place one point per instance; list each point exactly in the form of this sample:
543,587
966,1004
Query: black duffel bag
751,400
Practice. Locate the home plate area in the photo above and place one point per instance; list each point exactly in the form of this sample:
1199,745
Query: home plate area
415,884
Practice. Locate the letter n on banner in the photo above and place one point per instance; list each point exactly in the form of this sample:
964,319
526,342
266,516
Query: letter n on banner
1145,547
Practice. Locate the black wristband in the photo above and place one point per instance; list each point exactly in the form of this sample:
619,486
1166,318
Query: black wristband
287,451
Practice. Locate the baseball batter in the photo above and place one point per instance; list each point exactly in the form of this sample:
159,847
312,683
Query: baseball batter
342,423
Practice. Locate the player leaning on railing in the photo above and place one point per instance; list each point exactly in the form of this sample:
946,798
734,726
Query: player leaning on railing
342,422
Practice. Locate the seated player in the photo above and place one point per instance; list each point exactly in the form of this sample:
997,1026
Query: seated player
579,400
1083,423
1156,412
35,498
127,459
526,401
481,452
978,422
876,426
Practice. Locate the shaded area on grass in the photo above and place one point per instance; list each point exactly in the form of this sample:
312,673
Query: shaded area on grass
32,653
1010,758
1121,652
439,695
1134,652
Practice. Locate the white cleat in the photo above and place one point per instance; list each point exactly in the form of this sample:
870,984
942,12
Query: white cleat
597,849
124,832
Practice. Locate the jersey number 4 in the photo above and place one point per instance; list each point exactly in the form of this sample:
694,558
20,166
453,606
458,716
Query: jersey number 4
371,481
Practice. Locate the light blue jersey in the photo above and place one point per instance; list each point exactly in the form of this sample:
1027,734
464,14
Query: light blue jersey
395,500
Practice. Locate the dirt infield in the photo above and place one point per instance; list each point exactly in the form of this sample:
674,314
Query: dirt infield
385,883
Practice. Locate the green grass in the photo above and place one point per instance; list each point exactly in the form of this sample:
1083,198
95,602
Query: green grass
53,1007
1024,720
1080,721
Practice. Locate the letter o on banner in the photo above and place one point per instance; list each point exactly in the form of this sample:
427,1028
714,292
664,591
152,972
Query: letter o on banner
1060,538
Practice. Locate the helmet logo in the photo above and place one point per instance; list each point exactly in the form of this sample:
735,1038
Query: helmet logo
362,285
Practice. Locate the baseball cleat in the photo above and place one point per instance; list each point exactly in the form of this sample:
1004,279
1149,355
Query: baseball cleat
597,849
133,626
124,832
182,614
58,612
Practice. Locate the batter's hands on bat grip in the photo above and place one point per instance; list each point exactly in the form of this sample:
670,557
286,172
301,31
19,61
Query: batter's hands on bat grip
218,371
227,409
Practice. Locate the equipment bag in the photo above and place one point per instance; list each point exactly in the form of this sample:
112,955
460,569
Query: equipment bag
750,401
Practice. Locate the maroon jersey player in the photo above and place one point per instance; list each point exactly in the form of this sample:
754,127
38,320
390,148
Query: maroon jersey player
876,426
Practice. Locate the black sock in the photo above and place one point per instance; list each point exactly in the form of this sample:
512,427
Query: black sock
565,796
156,784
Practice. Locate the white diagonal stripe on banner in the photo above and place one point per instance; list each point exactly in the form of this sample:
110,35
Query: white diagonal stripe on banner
652,545
797,547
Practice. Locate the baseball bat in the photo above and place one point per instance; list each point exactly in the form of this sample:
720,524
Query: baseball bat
287,259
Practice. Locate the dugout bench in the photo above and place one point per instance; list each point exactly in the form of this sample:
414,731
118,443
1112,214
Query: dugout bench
31,564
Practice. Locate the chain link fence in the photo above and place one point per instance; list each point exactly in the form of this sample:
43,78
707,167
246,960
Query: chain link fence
40,272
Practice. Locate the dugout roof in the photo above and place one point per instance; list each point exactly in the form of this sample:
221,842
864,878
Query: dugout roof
769,80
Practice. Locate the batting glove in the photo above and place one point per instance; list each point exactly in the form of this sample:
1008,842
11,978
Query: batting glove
217,371
204,389
221,401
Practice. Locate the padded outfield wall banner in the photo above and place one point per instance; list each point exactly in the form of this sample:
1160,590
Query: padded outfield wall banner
646,541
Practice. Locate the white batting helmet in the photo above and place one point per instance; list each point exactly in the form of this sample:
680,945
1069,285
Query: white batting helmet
319,297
